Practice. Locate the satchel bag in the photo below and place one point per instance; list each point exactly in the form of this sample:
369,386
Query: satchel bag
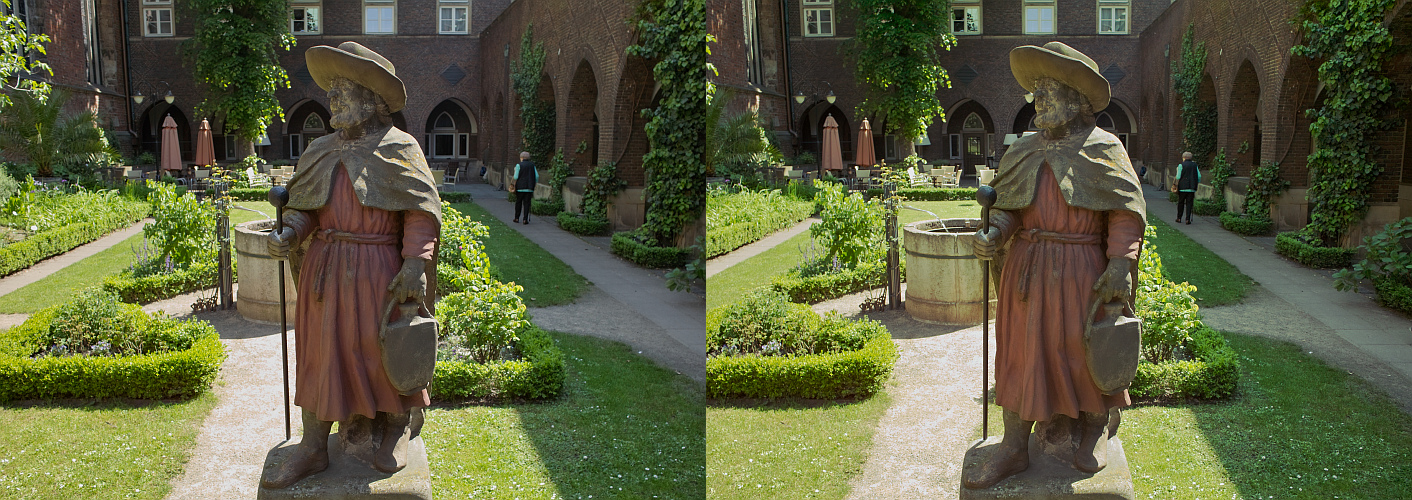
408,347
1112,345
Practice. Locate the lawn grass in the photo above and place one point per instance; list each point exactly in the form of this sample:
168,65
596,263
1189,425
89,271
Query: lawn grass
1218,283
734,282
547,280
1296,428
944,209
788,448
96,449
624,428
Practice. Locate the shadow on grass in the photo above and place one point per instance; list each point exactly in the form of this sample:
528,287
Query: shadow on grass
779,404
1296,428
623,428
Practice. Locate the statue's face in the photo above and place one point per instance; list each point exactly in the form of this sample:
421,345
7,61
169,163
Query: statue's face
1055,104
351,104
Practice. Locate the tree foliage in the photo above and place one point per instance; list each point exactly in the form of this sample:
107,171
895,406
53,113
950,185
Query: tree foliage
673,33
1351,40
536,116
236,54
896,56
1198,116
736,144
15,43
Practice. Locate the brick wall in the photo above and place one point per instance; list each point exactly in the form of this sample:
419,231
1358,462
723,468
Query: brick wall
67,54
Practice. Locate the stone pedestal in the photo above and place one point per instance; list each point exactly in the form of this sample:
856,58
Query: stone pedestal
1052,478
349,478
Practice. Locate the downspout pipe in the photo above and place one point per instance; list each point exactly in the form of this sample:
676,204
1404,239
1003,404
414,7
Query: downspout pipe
788,70
127,82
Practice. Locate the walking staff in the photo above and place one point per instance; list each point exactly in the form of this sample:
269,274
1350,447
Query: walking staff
279,197
985,195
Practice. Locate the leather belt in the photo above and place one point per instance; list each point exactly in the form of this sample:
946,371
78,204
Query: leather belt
1032,256
335,237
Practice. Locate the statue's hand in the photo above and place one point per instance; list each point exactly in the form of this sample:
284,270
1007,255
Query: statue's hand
985,243
1116,283
279,243
410,282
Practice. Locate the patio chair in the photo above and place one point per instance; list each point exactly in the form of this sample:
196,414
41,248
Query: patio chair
950,177
915,179
986,175
439,176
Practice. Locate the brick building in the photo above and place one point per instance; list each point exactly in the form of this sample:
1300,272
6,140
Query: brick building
784,58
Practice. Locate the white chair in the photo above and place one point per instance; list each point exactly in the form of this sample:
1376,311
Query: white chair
950,177
915,179
257,179
439,176
986,175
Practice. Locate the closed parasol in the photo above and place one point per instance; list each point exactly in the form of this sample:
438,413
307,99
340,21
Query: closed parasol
205,149
831,158
171,149
865,157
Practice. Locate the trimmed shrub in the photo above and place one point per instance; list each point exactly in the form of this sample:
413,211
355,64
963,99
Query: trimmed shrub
539,374
629,245
199,276
1241,224
44,244
250,194
188,369
1393,294
835,284
937,194
1208,208
1212,371
734,220
834,375
1293,245
581,225
546,207
459,197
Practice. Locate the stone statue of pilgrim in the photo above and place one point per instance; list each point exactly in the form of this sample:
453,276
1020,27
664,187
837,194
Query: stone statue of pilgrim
361,230
1067,233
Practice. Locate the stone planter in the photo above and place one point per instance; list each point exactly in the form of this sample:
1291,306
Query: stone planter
944,277
258,296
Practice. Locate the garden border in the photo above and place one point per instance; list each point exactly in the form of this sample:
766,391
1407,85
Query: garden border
1290,245
540,375
850,374
1212,374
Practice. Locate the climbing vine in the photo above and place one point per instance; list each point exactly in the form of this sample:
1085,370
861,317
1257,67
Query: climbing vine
1265,184
1221,173
673,33
896,56
236,50
1198,116
1350,39
603,184
536,116
559,173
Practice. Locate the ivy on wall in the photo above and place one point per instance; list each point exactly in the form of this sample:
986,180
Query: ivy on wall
236,53
896,56
536,116
673,34
1198,116
1265,185
1350,39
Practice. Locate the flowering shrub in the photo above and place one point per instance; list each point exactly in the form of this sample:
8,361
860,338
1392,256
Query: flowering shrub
1168,310
482,316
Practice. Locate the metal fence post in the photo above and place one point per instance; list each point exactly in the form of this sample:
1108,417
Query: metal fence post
894,272
226,277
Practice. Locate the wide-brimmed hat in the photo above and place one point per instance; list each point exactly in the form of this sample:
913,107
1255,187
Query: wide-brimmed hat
355,62
1061,62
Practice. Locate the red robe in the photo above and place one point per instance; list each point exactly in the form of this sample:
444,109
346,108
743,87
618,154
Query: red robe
355,253
1044,294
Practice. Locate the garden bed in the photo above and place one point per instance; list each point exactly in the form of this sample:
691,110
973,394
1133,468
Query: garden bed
734,220
937,194
580,225
1291,244
147,289
539,374
1208,208
546,208
31,370
92,223
834,284
1211,373
629,245
1393,294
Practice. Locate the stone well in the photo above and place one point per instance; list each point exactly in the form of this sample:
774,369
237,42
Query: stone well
257,298
943,274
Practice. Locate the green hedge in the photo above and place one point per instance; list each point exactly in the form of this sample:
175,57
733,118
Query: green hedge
1208,208
813,289
1211,373
720,240
39,246
626,244
581,225
199,276
546,207
1241,224
1292,245
250,194
1393,294
938,194
147,376
859,373
454,197
539,374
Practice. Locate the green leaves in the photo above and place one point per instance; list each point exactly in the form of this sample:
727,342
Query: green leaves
896,58
536,116
235,53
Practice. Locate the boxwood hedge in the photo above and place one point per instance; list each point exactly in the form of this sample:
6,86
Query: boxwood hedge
200,276
1291,244
836,375
1393,294
628,245
818,288
39,246
539,374
1211,372
938,194
1248,226
581,225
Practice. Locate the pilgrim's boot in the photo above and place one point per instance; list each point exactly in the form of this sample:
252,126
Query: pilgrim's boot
392,451
310,455
1011,457
1092,455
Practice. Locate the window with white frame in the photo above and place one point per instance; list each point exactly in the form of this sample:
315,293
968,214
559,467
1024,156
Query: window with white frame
1039,17
156,17
445,141
966,17
455,17
379,17
1113,17
955,146
818,17
306,17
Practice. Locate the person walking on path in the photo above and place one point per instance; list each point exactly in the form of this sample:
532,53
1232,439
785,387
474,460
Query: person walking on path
1188,177
524,187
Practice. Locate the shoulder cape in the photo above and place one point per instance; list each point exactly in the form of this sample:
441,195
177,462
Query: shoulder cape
387,170
1093,172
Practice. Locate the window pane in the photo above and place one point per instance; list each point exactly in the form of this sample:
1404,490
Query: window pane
444,145
811,22
826,22
311,19
1120,20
